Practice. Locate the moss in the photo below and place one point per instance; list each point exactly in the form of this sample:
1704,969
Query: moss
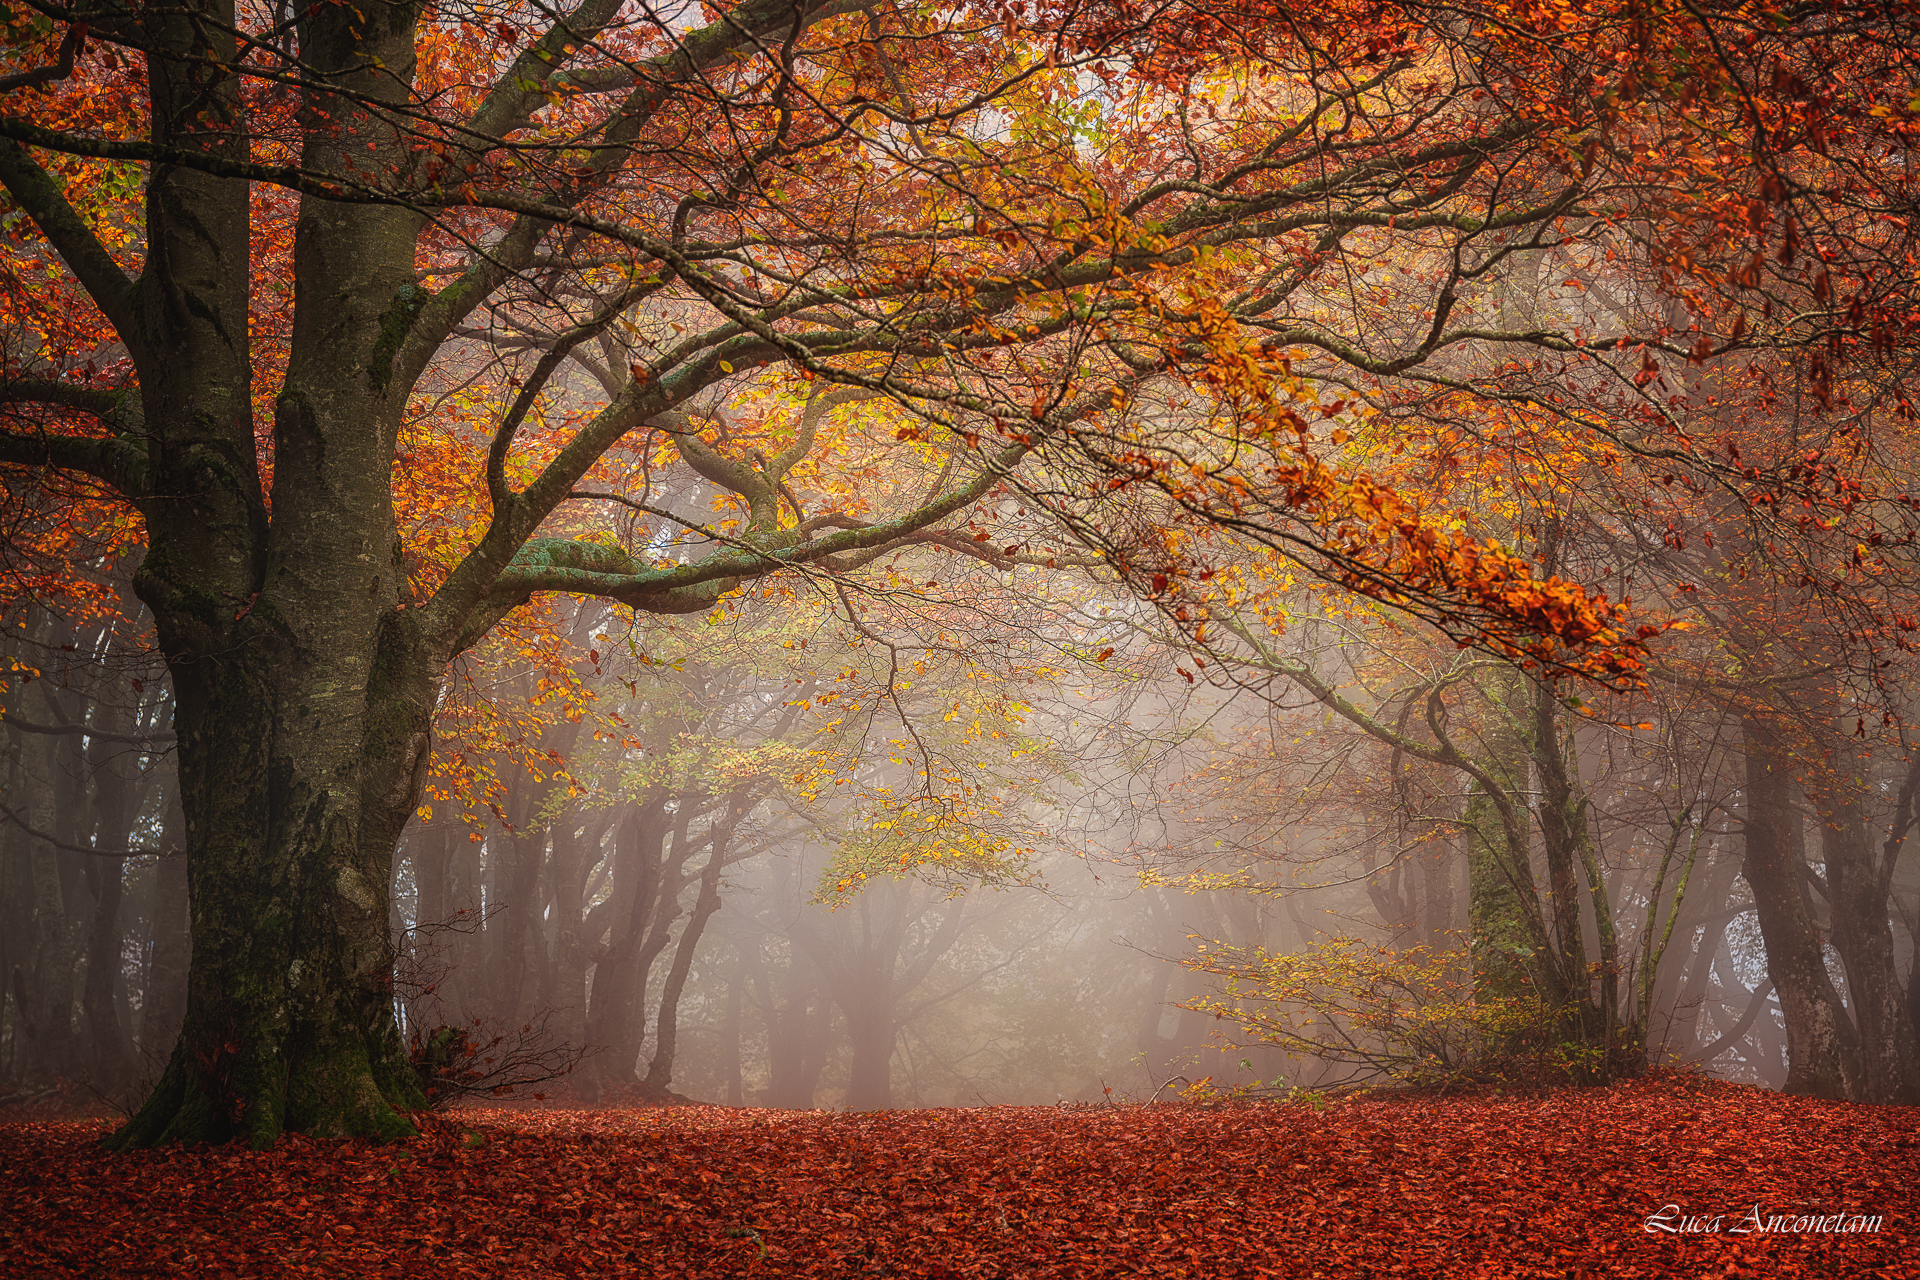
343,1093
408,301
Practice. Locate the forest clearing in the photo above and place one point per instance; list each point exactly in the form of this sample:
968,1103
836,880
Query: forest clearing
1576,1182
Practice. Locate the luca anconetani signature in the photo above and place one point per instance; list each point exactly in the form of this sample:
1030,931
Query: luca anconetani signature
1758,1221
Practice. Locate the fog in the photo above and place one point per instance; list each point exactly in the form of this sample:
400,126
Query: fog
1017,840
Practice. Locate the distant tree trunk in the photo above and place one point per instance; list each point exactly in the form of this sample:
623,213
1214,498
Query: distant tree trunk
1682,987
116,800
660,1069
517,954
1436,864
165,1003
871,969
871,1029
431,848
730,1035
16,916
1912,921
46,989
1819,1059
643,873
564,993
1566,842
521,961
112,1054
1889,1052
798,1022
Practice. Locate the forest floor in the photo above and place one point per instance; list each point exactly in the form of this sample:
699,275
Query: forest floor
1570,1183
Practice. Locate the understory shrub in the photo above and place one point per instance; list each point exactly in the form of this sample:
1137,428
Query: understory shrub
1411,1016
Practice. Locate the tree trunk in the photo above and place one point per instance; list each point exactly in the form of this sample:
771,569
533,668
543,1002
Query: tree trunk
112,1051
45,990
660,1069
1436,891
564,993
1498,871
797,1027
870,1028
519,952
165,1004
1889,1052
638,852
303,688
116,799
1818,1063
289,1021
730,1035
1563,836
1683,987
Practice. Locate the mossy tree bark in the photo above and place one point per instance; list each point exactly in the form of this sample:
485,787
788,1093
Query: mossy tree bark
1505,948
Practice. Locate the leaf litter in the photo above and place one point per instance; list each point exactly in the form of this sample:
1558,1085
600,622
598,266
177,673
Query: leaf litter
1562,1184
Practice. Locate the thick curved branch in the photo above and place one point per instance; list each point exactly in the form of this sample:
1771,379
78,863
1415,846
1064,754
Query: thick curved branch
116,461
96,401
590,568
36,191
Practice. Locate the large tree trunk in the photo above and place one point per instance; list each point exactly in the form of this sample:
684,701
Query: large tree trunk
1498,870
303,689
1818,1057
289,1020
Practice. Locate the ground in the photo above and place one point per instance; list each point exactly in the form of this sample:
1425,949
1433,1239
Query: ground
1570,1183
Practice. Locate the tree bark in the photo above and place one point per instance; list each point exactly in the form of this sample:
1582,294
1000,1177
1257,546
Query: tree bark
1498,870
1889,1050
303,693
1818,1059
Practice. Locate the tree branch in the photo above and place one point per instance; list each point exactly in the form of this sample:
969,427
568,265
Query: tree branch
58,843
80,730
70,46
116,461
35,190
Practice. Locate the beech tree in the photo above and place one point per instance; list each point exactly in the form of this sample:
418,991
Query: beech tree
545,247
